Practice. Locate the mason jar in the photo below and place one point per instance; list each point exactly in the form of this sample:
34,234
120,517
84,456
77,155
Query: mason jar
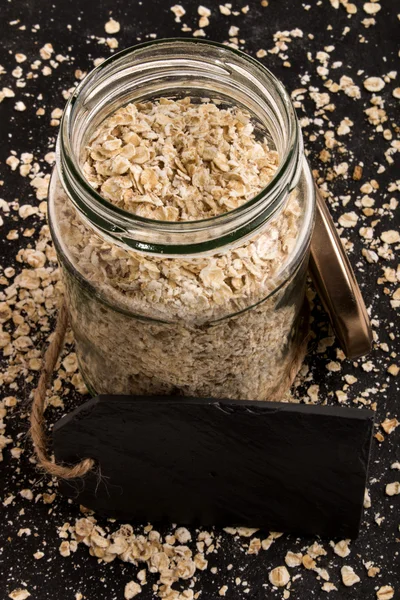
212,307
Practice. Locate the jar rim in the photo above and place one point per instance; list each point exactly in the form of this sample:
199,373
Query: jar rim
70,169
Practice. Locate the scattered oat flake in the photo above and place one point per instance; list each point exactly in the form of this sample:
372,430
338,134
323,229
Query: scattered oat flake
386,592
6,93
393,489
293,560
374,84
12,162
224,9
178,11
27,494
372,8
323,573
349,577
20,106
64,549
390,237
334,366
242,531
348,219
203,11
254,546
112,26
393,370
342,548
112,43
19,594
316,550
389,425
313,392
183,535
345,127
372,571
328,587
132,589
56,113
279,576
46,51
320,98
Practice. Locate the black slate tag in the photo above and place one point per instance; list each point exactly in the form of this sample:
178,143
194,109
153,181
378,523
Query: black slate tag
285,467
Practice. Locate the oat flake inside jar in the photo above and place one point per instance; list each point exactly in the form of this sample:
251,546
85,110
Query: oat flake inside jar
182,208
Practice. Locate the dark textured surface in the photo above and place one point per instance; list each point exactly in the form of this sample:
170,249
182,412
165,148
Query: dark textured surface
71,27
283,467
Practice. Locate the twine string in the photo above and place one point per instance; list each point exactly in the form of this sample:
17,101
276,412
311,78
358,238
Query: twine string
37,428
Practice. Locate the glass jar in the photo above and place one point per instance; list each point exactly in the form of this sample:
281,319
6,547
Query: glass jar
144,320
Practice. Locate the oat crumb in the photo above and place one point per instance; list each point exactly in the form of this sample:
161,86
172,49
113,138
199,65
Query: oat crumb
342,548
203,11
132,589
349,577
389,425
19,106
19,594
112,26
393,370
328,587
393,489
178,11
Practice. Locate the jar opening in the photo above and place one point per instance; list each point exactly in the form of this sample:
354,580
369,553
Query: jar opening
177,68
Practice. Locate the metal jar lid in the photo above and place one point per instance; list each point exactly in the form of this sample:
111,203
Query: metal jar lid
337,286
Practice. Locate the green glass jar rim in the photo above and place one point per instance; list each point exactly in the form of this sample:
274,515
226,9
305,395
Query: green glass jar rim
115,222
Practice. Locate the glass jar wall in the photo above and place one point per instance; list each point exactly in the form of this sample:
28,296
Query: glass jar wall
207,307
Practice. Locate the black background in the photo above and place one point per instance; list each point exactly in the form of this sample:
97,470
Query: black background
57,577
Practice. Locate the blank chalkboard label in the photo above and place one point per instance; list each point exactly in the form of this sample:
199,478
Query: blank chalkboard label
196,461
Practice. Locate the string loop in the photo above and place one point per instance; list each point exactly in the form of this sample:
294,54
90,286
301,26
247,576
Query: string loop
37,428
